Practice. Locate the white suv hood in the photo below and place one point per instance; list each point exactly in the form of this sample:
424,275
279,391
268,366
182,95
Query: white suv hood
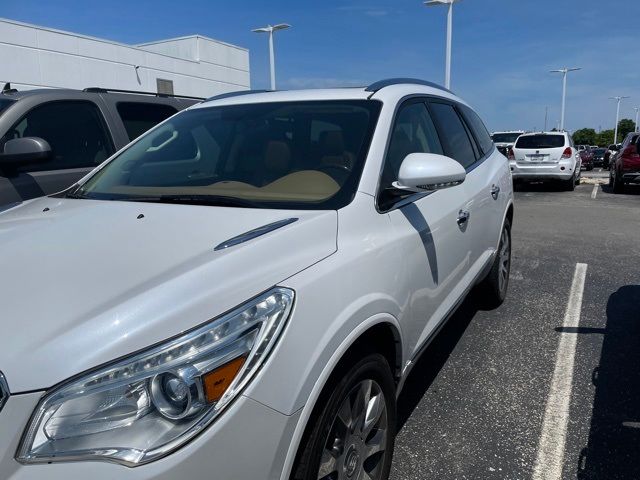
88,281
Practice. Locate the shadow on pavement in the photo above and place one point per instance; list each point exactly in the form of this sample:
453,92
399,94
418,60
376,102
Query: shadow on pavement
428,366
628,190
539,187
613,450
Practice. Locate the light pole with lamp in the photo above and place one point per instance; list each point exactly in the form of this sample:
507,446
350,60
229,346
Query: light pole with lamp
447,68
564,72
618,99
270,29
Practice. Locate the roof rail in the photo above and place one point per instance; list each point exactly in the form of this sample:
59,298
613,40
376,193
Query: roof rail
237,93
116,90
374,87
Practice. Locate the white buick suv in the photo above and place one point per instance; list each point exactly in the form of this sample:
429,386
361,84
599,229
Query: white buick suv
242,292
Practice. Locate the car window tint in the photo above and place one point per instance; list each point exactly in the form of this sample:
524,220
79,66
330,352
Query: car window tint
302,154
75,130
140,117
454,135
479,130
541,141
413,132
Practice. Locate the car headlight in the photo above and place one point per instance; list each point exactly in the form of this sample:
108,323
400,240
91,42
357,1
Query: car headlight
147,405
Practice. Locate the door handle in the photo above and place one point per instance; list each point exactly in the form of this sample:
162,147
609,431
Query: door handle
495,191
463,217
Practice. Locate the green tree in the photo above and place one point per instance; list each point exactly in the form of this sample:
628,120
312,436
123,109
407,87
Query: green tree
585,136
626,125
604,138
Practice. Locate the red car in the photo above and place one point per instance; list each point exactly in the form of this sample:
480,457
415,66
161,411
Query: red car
625,166
586,156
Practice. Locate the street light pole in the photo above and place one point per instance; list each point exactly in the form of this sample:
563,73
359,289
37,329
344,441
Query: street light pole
618,99
270,29
564,72
447,67
637,109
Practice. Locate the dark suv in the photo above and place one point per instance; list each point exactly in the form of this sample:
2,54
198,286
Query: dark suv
50,138
625,166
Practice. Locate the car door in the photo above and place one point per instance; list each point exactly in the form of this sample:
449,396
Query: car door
480,182
79,140
431,248
492,180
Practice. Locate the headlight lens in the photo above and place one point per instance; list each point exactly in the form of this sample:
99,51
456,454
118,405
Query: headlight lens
149,404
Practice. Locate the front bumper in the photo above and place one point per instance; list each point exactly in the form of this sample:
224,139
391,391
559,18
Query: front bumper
249,441
563,170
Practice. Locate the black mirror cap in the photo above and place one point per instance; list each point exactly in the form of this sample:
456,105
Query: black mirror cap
22,151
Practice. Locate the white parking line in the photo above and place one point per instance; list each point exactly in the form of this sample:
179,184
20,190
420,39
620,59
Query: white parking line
550,457
594,192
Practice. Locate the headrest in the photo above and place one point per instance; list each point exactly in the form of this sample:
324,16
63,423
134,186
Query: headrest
277,156
332,142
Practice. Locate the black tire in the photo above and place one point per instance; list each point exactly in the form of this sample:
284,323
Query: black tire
618,184
324,422
570,185
493,289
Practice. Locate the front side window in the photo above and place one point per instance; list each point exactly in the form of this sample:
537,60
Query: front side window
306,155
75,130
140,117
454,134
413,132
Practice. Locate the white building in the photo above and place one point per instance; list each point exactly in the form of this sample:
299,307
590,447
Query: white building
35,57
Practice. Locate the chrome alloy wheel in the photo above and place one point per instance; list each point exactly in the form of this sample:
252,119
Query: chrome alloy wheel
504,259
355,446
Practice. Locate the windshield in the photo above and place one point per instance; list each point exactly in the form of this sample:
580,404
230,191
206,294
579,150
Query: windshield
505,137
4,103
540,141
306,155
599,151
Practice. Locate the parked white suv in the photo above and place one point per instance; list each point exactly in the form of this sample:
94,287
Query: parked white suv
545,156
242,292
505,140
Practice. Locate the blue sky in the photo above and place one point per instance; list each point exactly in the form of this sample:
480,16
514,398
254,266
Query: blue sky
502,49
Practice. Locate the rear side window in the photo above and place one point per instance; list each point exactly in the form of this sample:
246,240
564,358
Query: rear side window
540,141
140,117
479,130
453,134
75,130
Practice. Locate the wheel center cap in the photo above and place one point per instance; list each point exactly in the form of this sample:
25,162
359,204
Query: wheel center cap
351,462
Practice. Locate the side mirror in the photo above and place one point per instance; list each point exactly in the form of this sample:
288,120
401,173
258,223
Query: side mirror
424,172
21,151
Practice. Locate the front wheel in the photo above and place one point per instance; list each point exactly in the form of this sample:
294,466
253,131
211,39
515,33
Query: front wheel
494,286
351,435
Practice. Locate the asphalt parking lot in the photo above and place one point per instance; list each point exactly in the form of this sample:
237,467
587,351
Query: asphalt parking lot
544,387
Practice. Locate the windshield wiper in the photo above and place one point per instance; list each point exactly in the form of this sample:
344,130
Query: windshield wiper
75,195
209,200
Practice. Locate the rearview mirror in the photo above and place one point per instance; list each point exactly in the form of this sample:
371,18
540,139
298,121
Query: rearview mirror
19,151
424,172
